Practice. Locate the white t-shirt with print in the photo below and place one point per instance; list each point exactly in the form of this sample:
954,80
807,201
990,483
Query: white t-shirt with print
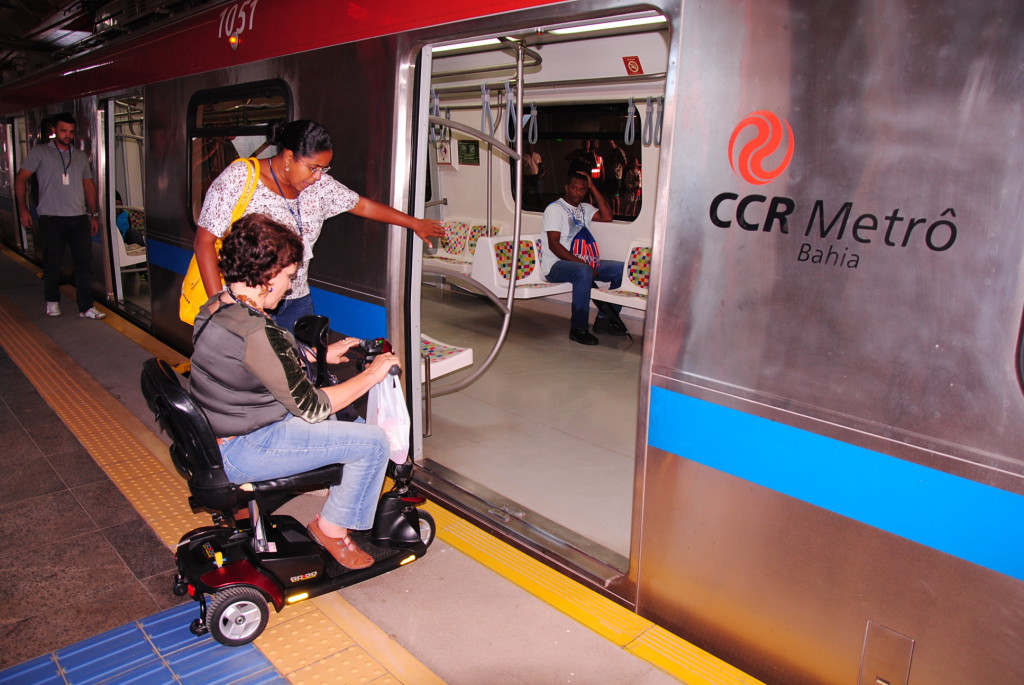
567,220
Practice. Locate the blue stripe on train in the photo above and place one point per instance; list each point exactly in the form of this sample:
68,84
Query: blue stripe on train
348,315
958,516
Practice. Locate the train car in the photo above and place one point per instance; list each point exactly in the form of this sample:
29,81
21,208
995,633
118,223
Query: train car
808,457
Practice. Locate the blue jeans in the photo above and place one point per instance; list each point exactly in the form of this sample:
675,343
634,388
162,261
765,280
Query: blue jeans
582,278
292,445
290,311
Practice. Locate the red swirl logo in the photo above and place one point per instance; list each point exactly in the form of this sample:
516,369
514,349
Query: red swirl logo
748,161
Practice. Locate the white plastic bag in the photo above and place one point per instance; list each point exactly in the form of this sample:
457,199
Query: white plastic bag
386,408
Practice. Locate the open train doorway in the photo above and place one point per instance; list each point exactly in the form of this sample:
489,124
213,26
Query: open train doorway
539,439
125,203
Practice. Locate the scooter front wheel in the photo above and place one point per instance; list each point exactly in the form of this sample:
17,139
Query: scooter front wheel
237,615
427,527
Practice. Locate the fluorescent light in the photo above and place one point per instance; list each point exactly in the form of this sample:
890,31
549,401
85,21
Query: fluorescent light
584,28
470,44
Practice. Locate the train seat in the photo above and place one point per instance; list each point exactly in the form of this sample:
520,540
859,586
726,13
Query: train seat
458,246
441,358
128,259
436,360
492,267
636,276
196,454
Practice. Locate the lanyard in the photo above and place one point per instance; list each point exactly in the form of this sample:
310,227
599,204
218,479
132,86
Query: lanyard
68,165
298,205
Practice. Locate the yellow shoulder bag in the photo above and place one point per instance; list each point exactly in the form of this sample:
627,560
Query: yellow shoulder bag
193,294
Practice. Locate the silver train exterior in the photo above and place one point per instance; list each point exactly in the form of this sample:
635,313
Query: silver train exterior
829,456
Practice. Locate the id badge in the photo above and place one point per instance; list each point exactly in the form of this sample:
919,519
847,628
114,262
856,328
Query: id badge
65,179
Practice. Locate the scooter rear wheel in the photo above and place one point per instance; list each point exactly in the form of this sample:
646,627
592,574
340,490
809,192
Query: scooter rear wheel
237,615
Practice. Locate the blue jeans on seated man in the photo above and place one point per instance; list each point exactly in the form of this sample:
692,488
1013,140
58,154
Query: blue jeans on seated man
291,310
292,445
582,278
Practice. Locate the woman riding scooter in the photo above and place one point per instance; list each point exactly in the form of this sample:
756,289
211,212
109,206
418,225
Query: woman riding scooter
268,417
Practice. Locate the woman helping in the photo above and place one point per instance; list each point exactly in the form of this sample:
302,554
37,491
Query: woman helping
295,190
268,417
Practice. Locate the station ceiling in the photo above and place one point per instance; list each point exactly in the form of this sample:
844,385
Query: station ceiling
37,33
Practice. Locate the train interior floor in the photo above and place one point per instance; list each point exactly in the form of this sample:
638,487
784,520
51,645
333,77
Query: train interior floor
85,560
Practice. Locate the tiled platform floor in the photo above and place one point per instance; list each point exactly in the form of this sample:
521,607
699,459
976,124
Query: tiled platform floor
76,558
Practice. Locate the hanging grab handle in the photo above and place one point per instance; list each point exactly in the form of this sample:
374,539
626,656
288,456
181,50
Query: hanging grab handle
435,111
531,131
630,134
486,122
661,121
648,134
511,127
446,131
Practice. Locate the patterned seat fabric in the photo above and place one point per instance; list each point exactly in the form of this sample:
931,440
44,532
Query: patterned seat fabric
480,231
639,268
456,234
437,351
528,257
137,220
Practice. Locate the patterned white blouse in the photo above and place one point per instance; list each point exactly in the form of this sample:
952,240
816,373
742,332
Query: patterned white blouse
325,198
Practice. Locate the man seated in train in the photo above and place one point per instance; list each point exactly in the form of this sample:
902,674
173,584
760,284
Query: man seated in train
572,256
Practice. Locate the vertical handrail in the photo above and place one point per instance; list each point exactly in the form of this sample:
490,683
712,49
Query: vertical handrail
517,227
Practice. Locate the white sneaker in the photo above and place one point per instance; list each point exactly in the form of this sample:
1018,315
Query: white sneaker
53,308
92,313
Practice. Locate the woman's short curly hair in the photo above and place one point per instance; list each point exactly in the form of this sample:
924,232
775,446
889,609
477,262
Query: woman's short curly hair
257,249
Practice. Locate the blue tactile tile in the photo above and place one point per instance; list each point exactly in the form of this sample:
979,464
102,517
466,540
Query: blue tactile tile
100,657
267,677
151,673
40,671
211,663
169,630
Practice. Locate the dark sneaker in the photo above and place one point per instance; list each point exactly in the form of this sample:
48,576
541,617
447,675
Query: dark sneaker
603,325
582,336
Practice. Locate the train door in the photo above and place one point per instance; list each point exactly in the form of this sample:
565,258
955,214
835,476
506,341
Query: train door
17,141
126,214
538,438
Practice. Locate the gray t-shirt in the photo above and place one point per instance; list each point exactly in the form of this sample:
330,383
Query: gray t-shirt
48,164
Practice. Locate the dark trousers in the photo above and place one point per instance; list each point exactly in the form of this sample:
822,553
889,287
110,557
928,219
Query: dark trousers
58,231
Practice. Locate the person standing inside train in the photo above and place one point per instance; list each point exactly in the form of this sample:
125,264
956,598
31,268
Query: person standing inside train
294,189
563,220
67,212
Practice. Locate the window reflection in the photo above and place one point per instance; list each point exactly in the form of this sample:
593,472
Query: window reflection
586,138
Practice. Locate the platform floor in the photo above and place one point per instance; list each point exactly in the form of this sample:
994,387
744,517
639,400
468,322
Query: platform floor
89,509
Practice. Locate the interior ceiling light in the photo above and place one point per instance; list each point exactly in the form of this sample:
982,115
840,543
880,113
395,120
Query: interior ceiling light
470,44
607,25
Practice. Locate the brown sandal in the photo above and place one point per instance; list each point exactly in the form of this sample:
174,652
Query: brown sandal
344,550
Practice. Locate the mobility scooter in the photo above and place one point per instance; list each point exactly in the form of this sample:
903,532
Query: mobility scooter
240,565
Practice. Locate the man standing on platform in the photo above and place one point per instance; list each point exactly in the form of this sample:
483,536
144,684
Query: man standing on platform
67,212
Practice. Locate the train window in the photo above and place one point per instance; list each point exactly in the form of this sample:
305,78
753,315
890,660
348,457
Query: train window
586,138
228,123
